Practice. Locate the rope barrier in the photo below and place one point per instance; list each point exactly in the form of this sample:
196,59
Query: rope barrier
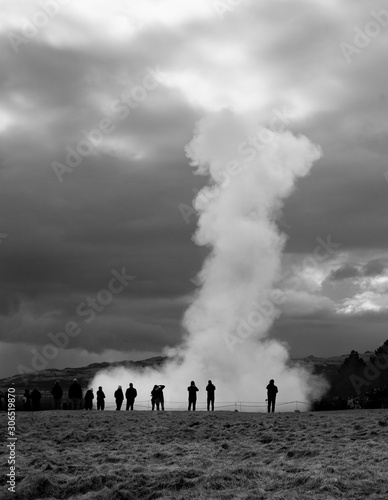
202,406
146,405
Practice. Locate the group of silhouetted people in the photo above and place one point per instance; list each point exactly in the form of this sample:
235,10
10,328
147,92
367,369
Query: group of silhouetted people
31,400
193,389
157,396
75,396
100,398
272,390
130,395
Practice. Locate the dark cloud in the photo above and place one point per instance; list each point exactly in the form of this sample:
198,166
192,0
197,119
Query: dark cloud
344,272
120,208
374,267
328,335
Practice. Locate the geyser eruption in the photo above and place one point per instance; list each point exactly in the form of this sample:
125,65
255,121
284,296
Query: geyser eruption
251,171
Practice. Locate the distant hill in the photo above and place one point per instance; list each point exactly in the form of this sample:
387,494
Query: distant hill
328,367
45,379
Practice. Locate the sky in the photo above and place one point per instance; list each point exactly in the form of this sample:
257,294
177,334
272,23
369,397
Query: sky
98,103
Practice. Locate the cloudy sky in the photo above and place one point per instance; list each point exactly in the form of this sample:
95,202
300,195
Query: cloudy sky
99,100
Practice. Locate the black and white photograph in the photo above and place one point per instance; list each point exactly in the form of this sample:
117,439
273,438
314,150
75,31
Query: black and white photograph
193,249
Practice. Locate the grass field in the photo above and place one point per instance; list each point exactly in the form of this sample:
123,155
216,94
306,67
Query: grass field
181,455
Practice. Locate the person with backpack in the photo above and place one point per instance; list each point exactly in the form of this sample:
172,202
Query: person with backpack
35,399
119,397
75,395
89,396
57,394
192,390
100,399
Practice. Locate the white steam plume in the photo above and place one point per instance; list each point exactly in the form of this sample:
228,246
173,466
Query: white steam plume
233,309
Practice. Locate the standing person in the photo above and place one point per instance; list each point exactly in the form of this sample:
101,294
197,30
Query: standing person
26,400
210,388
5,396
35,399
75,395
57,394
160,396
130,394
192,389
272,390
157,397
2,396
89,396
119,396
100,399
153,397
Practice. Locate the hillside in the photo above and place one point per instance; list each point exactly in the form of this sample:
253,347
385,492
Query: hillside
45,379
328,367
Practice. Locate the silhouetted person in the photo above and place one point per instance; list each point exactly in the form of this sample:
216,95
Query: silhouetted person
100,399
27,400
57,394
211,389
192,389
153,397
89,396
160,395
157,397
130,394
75,395
35,399
272,390
119,397
5,396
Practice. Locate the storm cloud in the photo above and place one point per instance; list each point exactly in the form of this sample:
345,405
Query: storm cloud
123,204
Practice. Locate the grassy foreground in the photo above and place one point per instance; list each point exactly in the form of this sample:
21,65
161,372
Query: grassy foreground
180,455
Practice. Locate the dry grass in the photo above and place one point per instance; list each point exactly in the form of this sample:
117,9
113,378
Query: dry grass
221,455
